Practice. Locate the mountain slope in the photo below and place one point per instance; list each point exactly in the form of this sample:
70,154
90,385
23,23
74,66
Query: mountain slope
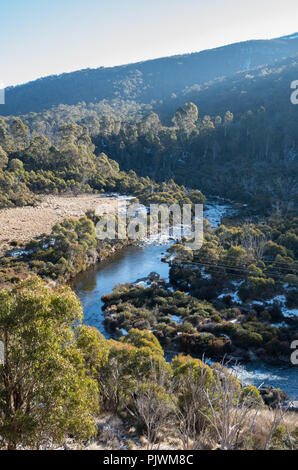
146,82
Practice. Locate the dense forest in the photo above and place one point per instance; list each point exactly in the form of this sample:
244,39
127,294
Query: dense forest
234,137
31,165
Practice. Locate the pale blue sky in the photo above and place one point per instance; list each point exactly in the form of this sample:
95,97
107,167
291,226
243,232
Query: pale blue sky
44,37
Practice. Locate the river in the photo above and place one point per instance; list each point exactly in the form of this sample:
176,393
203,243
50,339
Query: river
136,262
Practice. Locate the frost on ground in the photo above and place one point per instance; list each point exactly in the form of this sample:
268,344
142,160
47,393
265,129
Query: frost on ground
281,300
215,212
177,319
234,296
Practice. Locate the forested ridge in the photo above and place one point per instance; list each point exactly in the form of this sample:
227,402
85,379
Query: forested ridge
233,137
151,82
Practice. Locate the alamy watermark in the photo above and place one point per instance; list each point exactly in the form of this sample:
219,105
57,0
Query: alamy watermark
294,95
158,221
294,355
294,345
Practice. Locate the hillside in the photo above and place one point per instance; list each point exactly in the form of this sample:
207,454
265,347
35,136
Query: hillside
233,137
150,82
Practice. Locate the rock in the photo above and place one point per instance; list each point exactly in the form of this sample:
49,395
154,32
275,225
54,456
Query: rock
273,396
252,356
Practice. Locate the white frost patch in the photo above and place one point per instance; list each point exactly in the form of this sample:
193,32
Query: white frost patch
215,212
280,325
288,313
205,275
234,295
176,319
18,253
141,283
279,298
237,284
288,288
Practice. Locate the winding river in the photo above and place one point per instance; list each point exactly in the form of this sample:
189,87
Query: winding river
136,262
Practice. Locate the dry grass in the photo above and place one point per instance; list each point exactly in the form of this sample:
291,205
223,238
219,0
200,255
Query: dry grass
113,434
264,425
21,224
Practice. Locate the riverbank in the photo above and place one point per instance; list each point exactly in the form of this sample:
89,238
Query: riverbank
135,263
22,224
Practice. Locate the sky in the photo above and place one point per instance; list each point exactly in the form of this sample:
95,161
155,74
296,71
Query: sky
45,37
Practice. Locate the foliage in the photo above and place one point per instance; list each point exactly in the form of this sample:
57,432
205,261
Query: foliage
46,391
57,370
